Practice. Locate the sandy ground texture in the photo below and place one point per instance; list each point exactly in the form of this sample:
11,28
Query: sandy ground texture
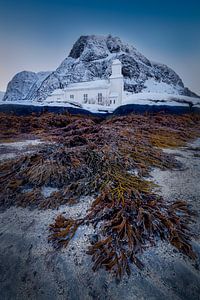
31,269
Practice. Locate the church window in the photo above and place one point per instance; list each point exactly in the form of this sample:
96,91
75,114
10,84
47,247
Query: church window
100,97
85,98
71,96
114,101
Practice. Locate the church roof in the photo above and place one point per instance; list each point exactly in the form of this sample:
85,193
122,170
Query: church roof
57,92
94,84
113,95
116,62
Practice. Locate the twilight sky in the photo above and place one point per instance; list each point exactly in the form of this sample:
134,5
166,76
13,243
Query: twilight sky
36,35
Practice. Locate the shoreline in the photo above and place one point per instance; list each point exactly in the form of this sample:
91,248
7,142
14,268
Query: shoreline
23,109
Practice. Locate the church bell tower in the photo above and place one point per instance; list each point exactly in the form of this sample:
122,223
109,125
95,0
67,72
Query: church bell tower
116,80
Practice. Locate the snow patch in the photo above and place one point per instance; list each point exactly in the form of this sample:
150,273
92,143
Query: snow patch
153,86
160,99
22,144
47,191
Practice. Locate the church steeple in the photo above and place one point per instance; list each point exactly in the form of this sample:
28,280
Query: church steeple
116,69
116,81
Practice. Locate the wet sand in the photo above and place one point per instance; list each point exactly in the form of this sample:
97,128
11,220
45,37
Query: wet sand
31,269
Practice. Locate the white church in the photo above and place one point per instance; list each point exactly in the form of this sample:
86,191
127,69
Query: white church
107,93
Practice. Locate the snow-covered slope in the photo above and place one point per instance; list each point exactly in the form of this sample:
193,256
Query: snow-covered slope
89,59
160,98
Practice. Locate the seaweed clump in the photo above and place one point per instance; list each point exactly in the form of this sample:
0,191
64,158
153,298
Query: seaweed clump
63,230
129,218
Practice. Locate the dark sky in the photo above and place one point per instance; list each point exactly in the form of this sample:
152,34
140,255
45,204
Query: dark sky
37,35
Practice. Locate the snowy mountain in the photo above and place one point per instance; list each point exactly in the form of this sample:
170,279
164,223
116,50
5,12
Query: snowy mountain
89,59
1,95
24,84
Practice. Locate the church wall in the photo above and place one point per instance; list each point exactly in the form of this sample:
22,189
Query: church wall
117,86
56,97
89,96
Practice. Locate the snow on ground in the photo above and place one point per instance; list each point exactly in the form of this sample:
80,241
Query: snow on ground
153,86
95,108
144,98
20,145
14,149
160,99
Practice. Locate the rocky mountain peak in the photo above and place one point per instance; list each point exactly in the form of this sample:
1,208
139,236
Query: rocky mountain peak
91,58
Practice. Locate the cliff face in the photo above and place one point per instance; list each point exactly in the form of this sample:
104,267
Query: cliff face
1,95
90,58
23,85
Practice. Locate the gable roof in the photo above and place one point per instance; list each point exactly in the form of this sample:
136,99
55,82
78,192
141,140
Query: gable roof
94,84
57,92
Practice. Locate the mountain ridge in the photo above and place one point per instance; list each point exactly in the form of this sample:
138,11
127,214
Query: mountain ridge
89,59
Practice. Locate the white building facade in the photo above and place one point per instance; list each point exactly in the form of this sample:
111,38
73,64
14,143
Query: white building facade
100,92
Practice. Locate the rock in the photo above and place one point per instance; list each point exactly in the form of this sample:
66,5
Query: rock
23,84
93,238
